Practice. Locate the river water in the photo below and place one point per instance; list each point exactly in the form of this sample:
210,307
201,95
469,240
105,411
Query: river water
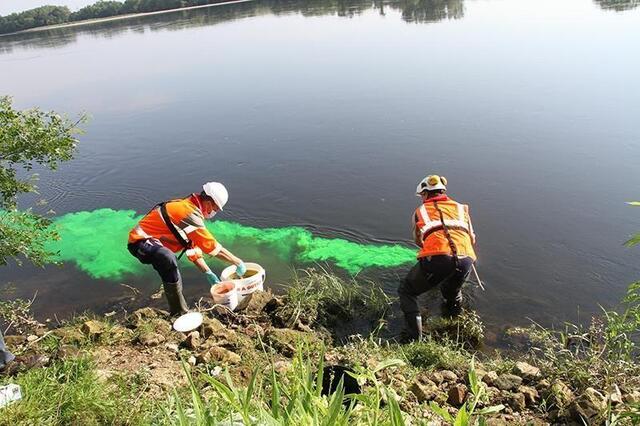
325,115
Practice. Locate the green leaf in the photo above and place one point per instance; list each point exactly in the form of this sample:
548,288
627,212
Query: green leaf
441,412
633,241
490,410
395,414
463,417
388,363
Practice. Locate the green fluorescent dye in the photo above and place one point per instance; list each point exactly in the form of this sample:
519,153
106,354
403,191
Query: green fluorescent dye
96,242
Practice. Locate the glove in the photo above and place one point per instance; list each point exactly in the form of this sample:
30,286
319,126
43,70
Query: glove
212,278
241,269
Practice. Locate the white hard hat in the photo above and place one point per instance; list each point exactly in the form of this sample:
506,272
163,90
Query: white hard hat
431,183
217,192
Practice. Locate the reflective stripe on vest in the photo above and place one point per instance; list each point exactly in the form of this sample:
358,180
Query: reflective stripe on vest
181,231
431,226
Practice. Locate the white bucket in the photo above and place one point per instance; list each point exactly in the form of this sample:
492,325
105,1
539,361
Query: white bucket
225,294
253,280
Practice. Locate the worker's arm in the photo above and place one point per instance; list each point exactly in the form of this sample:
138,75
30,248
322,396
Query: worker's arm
417,238
203,239
227,256
471,232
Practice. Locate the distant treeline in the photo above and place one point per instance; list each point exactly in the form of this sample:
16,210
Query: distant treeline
53,15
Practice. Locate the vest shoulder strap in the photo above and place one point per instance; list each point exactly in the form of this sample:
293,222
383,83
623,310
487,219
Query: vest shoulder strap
172,227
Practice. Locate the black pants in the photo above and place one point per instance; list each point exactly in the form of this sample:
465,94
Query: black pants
5,356
164,261
152,252
428,273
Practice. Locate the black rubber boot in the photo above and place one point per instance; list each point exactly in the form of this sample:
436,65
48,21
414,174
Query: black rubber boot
452,308
177,304
411,332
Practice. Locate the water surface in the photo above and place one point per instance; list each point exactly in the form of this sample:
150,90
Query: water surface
327,114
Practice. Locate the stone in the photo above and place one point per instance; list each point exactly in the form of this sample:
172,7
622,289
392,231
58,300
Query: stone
172,347
160,326
68,351
255,303
614,395
93,329
424,390
436,377
218,354
531,395
632,397
254,331
68,335
149,338
144,315
492,393
560,394
118,332
211,327
526,371
285,340
192,341
32,338
223,314
192,360
543,385
588,405
457,395
516,401
507,381
497,421
449,376
14,341
480,372
282,366
490,378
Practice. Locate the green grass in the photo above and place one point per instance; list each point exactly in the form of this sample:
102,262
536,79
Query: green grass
317,296
292,399
70,392
466,329
432,354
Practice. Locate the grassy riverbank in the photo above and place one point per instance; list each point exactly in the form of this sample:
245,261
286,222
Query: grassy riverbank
260,366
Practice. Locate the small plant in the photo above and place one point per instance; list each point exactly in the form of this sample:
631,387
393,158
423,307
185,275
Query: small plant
465,330
292,399
17,314
320,296
70,392
433,354
468,414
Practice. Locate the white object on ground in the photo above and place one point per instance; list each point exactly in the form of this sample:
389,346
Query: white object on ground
9,393
225,294
253,280
188,322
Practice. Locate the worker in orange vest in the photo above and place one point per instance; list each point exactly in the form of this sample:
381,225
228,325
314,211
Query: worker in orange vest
443,231
178,225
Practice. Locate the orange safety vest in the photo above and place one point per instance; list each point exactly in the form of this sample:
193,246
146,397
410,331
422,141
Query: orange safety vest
187,218
456,219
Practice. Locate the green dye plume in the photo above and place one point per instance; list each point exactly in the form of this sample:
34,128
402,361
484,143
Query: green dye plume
96,242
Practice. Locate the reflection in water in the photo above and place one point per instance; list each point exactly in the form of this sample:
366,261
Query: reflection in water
421,11
618,5
431,10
